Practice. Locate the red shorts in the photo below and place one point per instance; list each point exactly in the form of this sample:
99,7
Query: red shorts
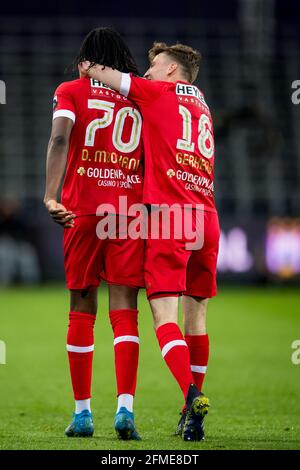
89,259
173,268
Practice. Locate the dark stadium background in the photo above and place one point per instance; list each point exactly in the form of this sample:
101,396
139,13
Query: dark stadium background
250,59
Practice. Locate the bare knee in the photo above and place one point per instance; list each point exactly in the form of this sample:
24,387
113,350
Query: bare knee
84,301
164,310
194,315
122,297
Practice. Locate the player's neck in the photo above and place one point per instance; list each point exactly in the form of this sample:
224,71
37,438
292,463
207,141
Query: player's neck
177,78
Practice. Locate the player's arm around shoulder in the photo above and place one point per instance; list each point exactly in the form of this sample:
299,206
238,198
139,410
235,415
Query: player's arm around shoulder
138,89
107,75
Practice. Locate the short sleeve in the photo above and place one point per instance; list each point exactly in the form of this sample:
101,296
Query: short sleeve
140,90
63,102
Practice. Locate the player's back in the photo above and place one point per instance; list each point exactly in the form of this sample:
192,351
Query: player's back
104,158
178,143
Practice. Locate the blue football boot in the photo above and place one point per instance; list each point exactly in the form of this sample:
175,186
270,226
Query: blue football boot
124,425
81,426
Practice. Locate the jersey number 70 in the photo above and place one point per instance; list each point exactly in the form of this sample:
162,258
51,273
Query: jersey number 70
124,113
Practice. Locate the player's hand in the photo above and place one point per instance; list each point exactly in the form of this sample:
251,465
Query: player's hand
59,214
85,68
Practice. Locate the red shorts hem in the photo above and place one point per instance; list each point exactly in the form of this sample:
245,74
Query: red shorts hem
159,295
71,286
138,285
203,295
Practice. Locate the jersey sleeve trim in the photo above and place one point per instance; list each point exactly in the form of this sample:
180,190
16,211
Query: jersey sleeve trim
125,84
64,113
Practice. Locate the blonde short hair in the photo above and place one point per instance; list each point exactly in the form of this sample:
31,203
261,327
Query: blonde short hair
188,58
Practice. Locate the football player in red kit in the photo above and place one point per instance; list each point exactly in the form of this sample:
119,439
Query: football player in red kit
96,141
179,169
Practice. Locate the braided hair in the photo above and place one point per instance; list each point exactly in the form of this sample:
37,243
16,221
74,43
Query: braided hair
105,46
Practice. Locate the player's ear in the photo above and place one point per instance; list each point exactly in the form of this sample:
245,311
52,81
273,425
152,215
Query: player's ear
172,67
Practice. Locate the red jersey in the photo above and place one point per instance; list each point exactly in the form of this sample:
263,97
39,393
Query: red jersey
178,141
104,158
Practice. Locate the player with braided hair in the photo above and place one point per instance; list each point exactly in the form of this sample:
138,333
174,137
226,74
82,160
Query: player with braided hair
95,140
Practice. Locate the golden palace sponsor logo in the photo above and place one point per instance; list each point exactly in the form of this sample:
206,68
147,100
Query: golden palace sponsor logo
171,173
111,158
81,171
193,161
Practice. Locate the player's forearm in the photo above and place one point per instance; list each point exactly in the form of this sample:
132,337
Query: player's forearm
107,75
56,164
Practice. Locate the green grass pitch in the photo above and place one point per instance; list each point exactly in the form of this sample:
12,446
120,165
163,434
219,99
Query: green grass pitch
253,386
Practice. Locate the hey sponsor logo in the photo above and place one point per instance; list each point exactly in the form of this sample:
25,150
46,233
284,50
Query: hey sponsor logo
100,89
189,94
97,84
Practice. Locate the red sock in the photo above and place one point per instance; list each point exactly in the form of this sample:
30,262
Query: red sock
126,346
199,351
80,347
176,354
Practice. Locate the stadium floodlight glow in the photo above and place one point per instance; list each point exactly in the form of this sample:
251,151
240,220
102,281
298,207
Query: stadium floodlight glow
283,247
234,255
